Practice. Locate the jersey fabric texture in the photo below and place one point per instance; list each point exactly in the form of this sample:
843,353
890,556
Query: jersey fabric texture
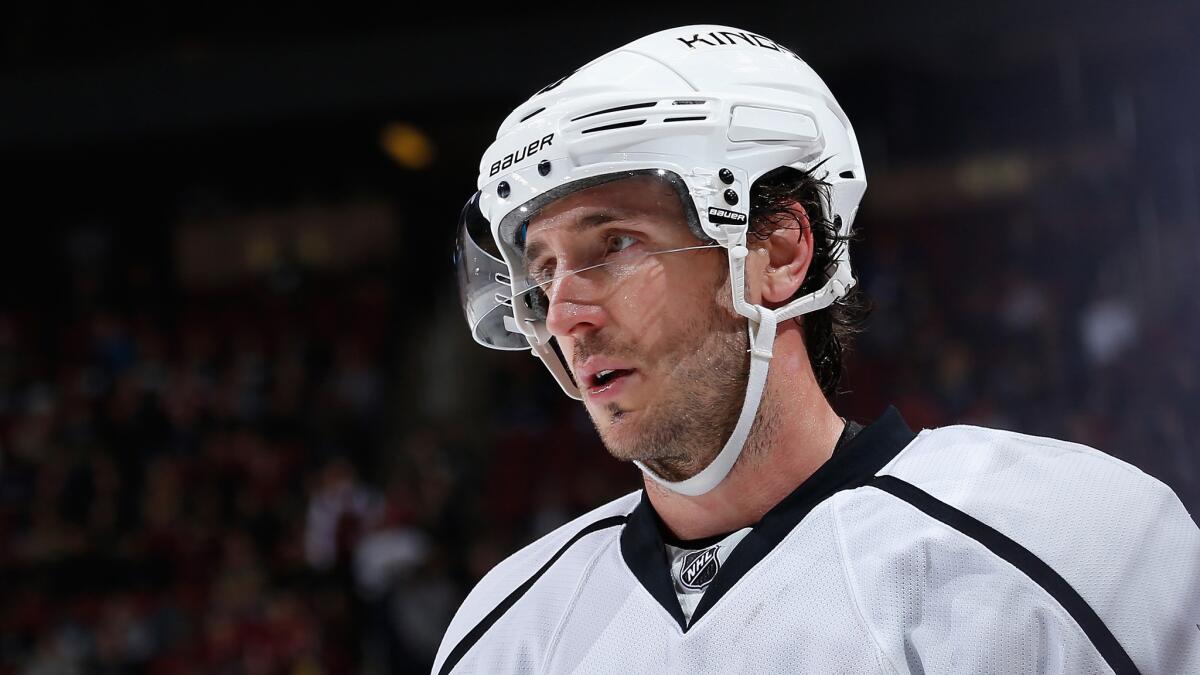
956,550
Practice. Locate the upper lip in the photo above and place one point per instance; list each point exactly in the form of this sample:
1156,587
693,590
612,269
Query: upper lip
594,365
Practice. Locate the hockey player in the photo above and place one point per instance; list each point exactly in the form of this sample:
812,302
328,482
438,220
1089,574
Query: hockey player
667,229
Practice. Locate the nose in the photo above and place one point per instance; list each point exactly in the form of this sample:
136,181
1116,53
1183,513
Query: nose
575,306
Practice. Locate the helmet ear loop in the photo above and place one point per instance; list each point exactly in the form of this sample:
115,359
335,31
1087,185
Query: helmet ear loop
736,234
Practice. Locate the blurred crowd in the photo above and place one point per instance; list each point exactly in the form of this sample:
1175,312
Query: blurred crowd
1056,320
251,481
167,484
220,487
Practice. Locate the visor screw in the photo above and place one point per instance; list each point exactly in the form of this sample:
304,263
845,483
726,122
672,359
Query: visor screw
730,196
503,190
726,176
544,167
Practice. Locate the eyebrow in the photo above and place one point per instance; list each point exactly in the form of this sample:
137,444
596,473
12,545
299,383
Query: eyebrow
534,249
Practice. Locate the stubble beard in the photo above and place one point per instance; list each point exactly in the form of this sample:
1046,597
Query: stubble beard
679,435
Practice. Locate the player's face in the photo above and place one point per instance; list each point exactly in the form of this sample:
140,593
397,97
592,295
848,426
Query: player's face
651,338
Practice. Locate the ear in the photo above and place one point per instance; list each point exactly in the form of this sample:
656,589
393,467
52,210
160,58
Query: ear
780,262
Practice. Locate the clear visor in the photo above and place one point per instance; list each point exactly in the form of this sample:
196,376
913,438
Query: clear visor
483,285
585,241
582,242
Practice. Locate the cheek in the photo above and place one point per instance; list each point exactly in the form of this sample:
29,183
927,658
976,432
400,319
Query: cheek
671,303
640,307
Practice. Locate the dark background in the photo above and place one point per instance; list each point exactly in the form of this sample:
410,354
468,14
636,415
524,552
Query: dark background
243,428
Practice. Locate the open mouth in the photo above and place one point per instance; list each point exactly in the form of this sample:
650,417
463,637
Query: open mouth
605,379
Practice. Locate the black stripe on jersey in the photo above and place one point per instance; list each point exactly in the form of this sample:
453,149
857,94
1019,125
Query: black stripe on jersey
493,616
850,467
1021,558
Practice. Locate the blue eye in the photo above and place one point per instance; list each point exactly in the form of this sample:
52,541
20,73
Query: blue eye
620,242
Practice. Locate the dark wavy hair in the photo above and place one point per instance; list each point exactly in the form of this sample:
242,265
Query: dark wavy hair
827,332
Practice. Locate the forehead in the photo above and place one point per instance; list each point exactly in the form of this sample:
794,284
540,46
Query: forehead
651,201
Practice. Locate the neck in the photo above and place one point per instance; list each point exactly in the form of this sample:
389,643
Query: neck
793,434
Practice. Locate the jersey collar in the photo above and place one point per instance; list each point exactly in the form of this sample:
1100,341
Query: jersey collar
850,467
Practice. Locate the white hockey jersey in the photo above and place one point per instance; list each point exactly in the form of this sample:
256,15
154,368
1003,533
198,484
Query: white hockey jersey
956,550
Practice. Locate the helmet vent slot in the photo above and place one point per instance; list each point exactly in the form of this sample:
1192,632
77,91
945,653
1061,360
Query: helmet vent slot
633,106
532,114
618,125
686,119
689,102
846,174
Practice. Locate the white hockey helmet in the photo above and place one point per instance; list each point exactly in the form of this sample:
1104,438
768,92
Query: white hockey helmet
709,109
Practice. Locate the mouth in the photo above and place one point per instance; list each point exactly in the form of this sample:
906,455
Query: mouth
603,377
607,377
607,383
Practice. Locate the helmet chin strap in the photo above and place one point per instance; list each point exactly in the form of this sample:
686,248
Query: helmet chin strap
762,337
762,324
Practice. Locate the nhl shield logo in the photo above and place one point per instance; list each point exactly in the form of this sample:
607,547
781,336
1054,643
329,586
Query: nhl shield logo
699,568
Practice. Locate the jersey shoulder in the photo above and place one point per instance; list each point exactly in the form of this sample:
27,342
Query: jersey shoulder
992,465
582,537
1041,491
1117,536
